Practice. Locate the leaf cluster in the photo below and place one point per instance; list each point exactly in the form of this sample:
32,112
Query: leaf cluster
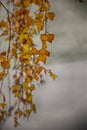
18,30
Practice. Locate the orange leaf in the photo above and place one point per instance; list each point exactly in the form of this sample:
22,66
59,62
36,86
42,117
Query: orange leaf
33,51
40,26
45,6
3,24
50,15
47,37
5,64
38,69
44,44
44,52
42,58
38,17
35,77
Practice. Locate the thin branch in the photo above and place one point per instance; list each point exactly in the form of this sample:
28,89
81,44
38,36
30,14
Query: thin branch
5,8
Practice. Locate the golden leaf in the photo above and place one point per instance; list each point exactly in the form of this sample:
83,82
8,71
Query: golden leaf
16,88
38,69
40,26
5,64
25,86
28,112
18,3
50,15
47,37
26,3
31,88
34,51
29,97
44,44
34,108
3,105
42,58
35,77
3,24
17,94
44,52
52,75
38,17
24,34
28,79
25,57
2,74
45,6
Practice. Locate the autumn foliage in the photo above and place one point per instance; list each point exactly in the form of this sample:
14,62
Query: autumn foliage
18,30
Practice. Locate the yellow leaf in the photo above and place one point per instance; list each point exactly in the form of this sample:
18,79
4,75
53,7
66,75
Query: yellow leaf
3,105
25,86
52,75
28,112
50,15
24,34
34,108
17,94
2,74
15,88
29,97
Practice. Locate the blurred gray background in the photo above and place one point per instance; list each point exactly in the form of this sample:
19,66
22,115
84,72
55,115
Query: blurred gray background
62,104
